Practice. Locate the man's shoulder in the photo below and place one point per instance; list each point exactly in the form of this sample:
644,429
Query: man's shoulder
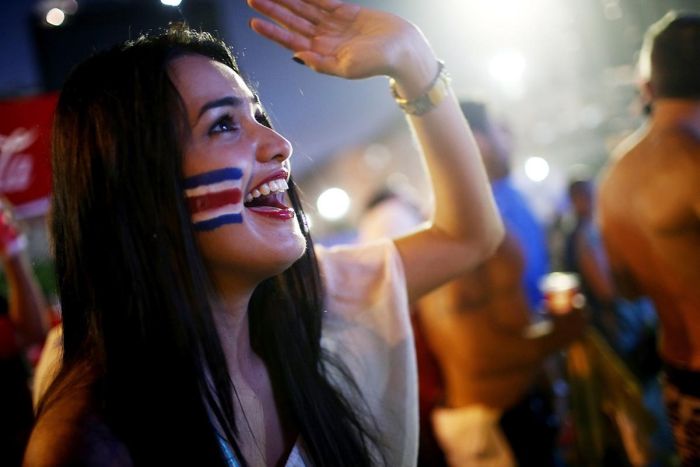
667,156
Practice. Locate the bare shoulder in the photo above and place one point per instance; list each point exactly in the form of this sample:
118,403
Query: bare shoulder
682,152
622,161
654,175
67,433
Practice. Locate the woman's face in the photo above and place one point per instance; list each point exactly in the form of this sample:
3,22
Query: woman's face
236,171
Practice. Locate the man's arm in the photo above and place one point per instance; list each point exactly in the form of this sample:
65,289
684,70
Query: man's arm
26,302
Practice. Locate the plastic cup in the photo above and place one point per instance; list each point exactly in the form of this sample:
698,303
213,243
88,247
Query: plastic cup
561,292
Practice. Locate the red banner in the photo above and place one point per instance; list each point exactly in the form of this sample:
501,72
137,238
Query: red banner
25,161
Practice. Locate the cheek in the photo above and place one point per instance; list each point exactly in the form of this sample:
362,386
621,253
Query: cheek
214,198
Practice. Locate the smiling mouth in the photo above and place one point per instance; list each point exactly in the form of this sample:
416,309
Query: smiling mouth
268,199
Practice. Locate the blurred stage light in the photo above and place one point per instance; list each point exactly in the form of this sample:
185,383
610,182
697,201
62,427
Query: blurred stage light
508,67
55,16
376,156
171,2
536,169
333,204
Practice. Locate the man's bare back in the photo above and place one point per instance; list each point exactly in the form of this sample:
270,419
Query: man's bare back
650,219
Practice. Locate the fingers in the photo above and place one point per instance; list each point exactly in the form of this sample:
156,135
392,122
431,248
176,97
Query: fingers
284,37
290,14
327,5
311,13
317,62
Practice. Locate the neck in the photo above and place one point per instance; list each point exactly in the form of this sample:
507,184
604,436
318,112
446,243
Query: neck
231,320
676,112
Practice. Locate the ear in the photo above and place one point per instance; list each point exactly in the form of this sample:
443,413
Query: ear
647,95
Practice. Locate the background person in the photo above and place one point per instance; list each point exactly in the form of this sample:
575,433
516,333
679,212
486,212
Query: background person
23,323
650,214
495,411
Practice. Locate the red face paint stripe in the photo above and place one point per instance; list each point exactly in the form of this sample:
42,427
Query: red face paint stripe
214,200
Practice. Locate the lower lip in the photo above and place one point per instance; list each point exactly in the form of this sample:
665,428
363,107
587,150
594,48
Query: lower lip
274,213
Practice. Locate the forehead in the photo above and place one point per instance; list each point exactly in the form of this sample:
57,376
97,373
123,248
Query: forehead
200,79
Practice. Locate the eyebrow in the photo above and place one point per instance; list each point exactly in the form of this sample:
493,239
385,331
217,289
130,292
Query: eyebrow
228,101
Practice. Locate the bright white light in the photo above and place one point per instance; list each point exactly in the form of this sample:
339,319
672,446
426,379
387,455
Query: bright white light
171,2
333,204
536,169
508,67
55,17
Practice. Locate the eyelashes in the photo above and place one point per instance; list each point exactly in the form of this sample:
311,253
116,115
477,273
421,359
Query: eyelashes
223,124
226,123
262,119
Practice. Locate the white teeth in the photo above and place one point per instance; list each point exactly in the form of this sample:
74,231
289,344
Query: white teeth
265,189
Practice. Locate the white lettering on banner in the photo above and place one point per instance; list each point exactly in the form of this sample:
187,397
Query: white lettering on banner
16,167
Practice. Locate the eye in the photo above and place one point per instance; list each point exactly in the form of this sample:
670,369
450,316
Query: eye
224,124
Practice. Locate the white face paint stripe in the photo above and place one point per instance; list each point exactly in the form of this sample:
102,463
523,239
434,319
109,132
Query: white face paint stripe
213,188
214,213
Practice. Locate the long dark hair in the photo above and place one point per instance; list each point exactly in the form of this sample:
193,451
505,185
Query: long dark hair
134,289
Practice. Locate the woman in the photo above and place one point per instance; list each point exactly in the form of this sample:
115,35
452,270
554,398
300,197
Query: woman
199,326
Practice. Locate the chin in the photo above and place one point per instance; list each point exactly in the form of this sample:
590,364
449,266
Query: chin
282,258
294,254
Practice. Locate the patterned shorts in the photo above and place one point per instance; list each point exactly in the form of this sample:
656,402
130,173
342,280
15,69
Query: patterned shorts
683,406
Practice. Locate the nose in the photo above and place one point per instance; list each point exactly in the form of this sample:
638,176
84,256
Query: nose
272,146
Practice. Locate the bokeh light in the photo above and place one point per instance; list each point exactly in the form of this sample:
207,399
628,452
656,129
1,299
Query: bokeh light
333,204
55,17
536,169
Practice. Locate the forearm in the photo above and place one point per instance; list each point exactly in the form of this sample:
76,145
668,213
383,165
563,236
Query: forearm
465,227
27,305
464,209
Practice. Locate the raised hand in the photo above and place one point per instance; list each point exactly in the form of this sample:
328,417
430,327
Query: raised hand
12,241
343,39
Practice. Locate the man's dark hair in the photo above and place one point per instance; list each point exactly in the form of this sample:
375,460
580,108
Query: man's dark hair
476,114
672,47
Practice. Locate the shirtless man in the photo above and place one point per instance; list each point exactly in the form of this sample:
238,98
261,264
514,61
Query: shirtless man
650,214
476,328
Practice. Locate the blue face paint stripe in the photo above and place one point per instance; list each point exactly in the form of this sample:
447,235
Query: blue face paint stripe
211,224
215,176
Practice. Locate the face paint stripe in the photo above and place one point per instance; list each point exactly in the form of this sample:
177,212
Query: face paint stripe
212,224
214,213
214,200
212,188
215,176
